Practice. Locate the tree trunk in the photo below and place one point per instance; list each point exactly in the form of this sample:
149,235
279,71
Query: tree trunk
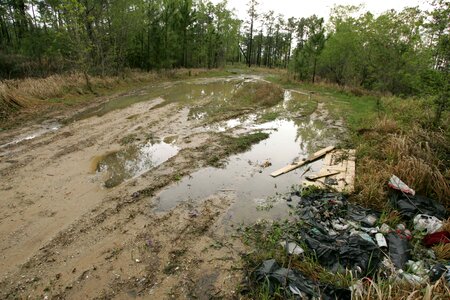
249,53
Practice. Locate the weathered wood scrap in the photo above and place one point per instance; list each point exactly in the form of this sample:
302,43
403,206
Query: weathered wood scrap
342,162
321,175
296,165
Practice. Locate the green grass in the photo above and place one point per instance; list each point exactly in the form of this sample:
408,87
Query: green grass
233,145
243,142
269,116
357,110
392,135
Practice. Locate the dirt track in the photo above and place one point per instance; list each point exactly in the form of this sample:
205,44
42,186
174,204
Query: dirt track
64,235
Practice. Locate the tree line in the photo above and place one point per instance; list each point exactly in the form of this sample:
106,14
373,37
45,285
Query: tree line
406,52
402,52
38,37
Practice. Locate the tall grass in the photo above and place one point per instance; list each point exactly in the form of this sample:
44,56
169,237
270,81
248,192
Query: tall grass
33,92
403,142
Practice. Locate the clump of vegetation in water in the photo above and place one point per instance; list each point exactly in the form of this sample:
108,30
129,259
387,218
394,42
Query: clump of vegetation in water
258,94
232,145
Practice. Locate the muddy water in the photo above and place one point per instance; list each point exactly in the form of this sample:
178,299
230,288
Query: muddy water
245,177
33,133
183,92
133,161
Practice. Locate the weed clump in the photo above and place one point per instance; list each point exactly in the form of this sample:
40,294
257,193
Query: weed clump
259,94
232,145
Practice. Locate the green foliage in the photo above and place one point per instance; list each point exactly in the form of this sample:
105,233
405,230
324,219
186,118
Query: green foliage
106,37
403,53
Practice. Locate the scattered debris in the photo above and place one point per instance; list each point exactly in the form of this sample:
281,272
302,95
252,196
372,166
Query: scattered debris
429,224
293,283
296,165
266,164
437,271
292,248
409,206
399,250
441,237
381,240
396,184
343,238
337,173
320,175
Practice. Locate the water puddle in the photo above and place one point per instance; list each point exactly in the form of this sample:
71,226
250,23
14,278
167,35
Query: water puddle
183,92
133,161
41,130
247,175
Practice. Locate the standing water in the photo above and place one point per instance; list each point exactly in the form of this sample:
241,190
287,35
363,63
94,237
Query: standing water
247,179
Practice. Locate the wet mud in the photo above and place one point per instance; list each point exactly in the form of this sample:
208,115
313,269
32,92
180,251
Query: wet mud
118,201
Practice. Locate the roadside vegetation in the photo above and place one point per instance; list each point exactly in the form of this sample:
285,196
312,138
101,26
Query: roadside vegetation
392,135
386,76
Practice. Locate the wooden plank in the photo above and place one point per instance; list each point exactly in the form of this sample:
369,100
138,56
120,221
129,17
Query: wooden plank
338,160
320,175
296,165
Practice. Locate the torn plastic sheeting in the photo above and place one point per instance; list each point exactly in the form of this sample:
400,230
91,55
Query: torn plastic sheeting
297,283
292,248
275,275
354,253
366,217
437,271
428,223
442,237
409,206
399,250
397,184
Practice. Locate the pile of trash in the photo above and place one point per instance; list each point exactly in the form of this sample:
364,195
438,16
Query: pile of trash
349,238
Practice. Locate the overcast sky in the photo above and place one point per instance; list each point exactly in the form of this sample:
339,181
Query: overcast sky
303,8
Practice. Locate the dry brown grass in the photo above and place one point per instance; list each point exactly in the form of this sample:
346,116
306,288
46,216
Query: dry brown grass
442,251
446,225
417,156
386,126
24,93
401,290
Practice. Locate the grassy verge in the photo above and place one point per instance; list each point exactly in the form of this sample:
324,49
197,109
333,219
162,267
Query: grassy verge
392,136
35,97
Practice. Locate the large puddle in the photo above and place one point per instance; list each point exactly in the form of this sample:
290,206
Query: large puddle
295,134
132,161
245,175
216,90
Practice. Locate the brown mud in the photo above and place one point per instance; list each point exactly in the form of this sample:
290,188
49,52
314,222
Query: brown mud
67,233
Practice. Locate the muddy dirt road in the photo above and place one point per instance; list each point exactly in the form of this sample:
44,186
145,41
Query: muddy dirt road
119,200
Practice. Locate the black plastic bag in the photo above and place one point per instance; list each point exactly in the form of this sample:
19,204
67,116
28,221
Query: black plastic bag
409,206
399,250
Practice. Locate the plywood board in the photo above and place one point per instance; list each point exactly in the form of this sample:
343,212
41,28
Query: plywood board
296,165
343,162
322,174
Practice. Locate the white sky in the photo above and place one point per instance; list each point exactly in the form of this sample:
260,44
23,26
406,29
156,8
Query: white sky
306,8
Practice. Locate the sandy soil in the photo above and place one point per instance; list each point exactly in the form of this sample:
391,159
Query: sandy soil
63,235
